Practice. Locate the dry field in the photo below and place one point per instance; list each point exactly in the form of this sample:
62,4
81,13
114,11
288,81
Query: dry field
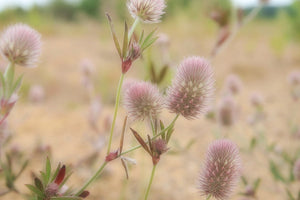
60,121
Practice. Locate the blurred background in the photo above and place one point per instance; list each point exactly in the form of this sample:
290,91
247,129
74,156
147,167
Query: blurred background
56,111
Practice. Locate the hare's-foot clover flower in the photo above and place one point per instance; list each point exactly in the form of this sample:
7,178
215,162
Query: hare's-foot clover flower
142,100
227,111
148,11
192,88
21,45
221,171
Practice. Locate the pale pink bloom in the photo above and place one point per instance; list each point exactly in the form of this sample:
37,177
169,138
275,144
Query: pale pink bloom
192,89
222,169
36,94
148,11
294,78
233,84
257,100
21,45
142,100
227,111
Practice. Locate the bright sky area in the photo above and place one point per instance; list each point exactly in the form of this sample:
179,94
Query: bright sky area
28,3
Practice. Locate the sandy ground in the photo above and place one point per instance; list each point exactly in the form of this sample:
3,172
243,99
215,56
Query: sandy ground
60,121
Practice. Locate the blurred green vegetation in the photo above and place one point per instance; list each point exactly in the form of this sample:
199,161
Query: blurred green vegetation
66,11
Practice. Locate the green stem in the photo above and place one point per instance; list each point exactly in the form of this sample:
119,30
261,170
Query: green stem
105,163
156,136
116,112
9,78
136,22
208,197
94,177
150,182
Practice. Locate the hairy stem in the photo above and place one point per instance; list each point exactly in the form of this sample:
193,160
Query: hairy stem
115,112
150,182
92,179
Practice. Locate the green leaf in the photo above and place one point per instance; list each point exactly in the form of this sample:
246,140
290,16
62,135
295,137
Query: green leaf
35,190
169,133
148,38
16,85
113,32
162,74
48,170
125,41
290,194
25,164
275,172
56,172
39,185
148,44
141,37
257,184
44,177
244,180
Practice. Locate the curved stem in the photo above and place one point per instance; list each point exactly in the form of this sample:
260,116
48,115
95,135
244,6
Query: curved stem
131,31
94,177
130,150
161,132
150,182
116,112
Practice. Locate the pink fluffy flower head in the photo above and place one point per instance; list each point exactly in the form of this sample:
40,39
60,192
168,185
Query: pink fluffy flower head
192,88
227,111
21,45
221,171
233,84
297,170
148,11
142,100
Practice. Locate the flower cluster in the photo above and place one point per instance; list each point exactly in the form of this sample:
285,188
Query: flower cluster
221,171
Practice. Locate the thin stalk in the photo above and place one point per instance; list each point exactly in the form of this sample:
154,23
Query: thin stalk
156,136
116,112
208,197
237,28
150,182
105,163
94,177
136,22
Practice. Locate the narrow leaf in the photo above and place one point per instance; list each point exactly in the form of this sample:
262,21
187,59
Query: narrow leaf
38,184
35,190
148,38
117,44
162,127
125,41
56,172
141,37
140,140
48,170
148,44
162,74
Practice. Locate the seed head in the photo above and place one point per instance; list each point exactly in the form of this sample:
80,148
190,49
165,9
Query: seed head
297,170
142,100
192,88
148,11
221,171
227,111
21,45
